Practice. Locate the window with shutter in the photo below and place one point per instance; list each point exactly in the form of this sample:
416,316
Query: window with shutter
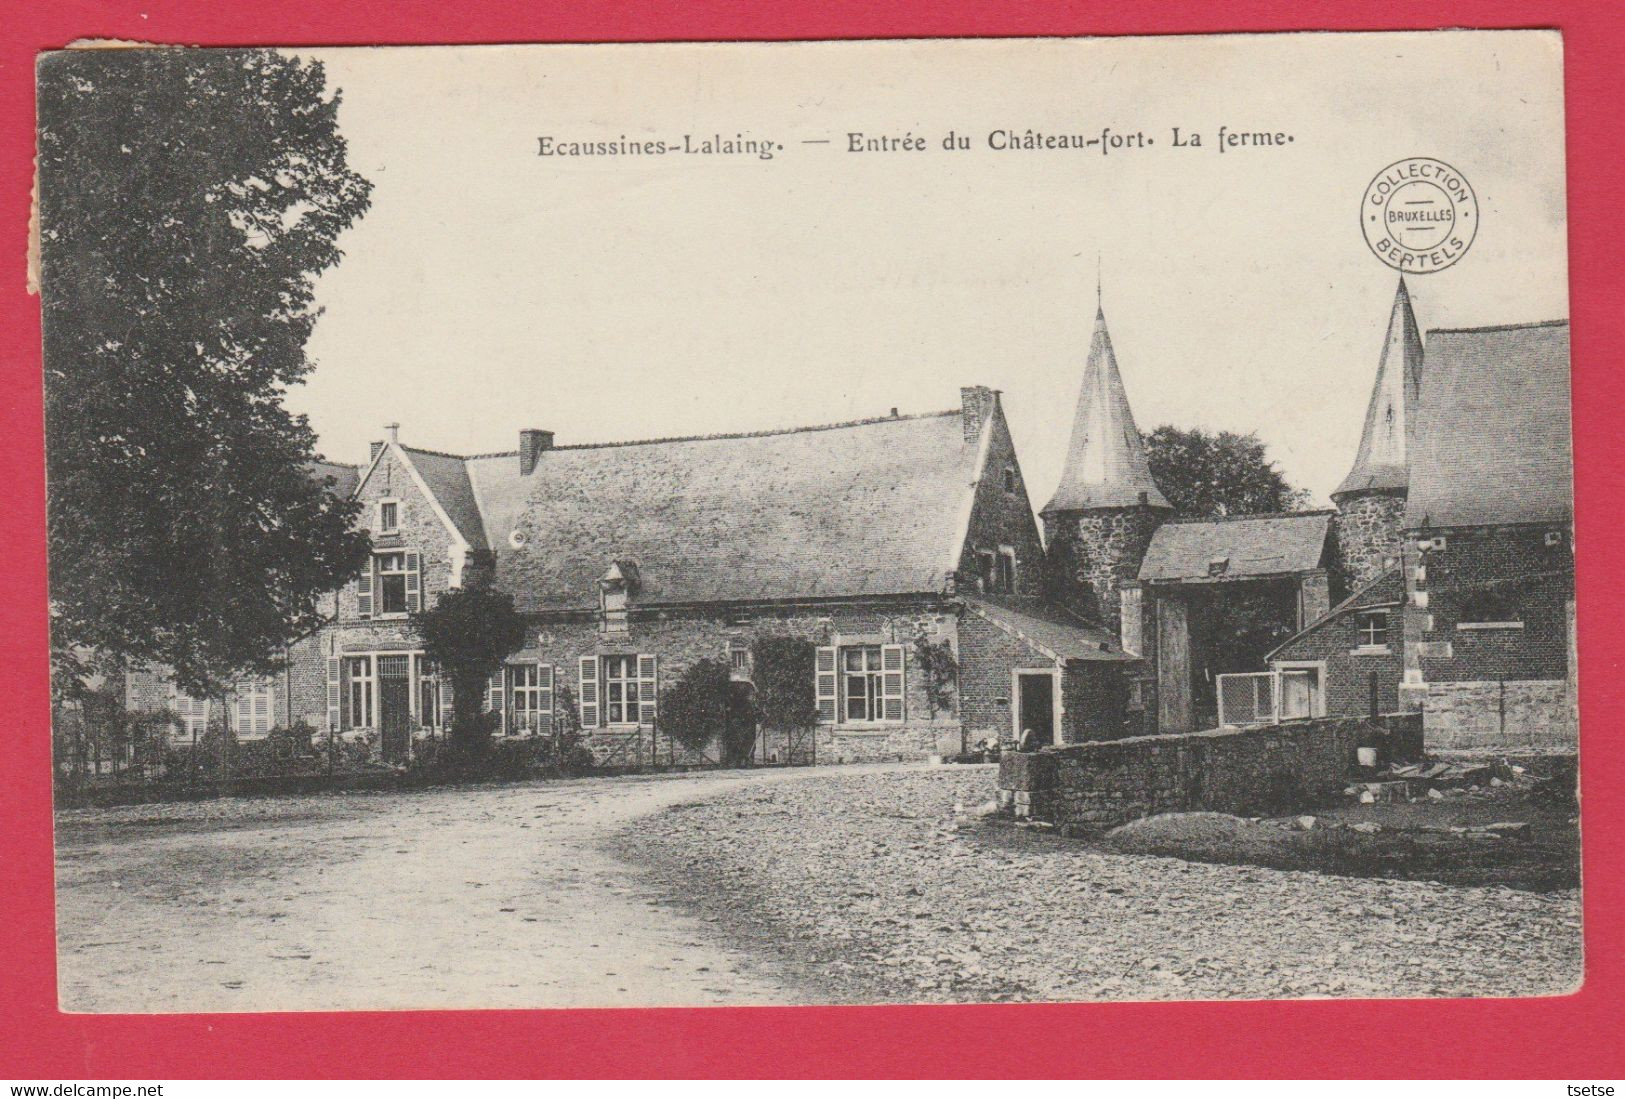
414,584
891,682
589,692
335,693
363,590
251,708
495,703
648,688
445,702
544,698
825,684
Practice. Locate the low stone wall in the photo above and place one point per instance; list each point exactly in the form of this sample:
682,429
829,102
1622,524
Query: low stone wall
1084,788
1509,714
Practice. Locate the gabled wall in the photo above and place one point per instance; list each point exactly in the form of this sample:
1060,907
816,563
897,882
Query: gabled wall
998,517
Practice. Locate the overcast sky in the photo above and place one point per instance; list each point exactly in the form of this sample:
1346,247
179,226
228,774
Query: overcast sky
490,289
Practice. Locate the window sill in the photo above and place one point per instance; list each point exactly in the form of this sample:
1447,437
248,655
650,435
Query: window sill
1489,625
1371,650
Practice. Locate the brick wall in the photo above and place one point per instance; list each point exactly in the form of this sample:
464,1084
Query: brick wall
1349,666
1535,580
1274,769
987,655
1523,713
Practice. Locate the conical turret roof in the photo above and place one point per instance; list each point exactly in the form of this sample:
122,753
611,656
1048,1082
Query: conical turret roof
1106,465
1383,463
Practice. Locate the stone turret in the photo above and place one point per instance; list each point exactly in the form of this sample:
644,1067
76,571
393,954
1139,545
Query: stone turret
1371,499
1100,520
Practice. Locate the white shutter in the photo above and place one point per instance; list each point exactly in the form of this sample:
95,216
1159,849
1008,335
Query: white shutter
826,678
544,698
648,669
414,584
334,692
589,692
891,682
445,700
494,700
363,590
242,709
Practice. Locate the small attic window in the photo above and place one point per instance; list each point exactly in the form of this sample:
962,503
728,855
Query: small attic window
1010,480
389,516
1218,566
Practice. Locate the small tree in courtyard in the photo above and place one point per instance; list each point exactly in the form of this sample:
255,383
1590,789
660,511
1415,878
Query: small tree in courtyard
783,672
705,702
469,632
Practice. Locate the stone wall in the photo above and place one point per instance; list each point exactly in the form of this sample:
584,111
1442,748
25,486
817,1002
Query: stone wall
1091,552
1369,534
1274,769
1002,516
1506,714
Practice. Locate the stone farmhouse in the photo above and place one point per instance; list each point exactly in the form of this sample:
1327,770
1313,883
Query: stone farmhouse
1443,579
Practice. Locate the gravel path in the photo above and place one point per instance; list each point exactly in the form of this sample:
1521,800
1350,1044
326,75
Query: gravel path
875,881
497,896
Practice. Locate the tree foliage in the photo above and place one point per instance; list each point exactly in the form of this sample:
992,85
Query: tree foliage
705,702
1207,475
468,633
188,200
782,671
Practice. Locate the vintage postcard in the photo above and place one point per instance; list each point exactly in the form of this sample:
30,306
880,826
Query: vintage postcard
810,523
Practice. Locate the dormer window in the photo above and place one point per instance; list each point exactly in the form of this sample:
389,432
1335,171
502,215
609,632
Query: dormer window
1218,566
389,516
616,589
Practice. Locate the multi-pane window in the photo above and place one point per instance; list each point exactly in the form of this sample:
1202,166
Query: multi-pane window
1009,480
357,692
621,690
861,682
193,713
391,583
985,565
738,657
251,708
428,699
389,516
531,687
1373,629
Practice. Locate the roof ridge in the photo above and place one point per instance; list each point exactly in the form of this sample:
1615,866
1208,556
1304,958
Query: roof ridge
698,438
1501,327
758,434
1252,515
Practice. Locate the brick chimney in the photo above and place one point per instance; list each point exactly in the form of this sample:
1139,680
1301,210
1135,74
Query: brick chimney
976,405
532,441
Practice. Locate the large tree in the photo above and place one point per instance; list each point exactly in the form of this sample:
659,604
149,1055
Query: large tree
1207,475
188,201
468,633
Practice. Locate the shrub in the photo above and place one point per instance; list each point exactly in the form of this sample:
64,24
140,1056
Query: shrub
785,696
697,707
468,633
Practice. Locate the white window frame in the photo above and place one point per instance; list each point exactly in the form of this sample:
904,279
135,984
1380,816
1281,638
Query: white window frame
878,680
367,682
256,694
404,572
193,713
1006,559
626,702
389,528
531,694
1363,632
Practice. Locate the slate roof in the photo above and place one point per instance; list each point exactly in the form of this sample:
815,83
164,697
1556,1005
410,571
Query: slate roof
1384,590
447,478
1390,418
870,508
1254,546
1493,444
1106,464
1051,628
345,478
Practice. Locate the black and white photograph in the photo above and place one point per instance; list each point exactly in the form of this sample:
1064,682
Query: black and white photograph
798,523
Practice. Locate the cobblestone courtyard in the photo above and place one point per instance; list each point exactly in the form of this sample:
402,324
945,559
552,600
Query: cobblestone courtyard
806,886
